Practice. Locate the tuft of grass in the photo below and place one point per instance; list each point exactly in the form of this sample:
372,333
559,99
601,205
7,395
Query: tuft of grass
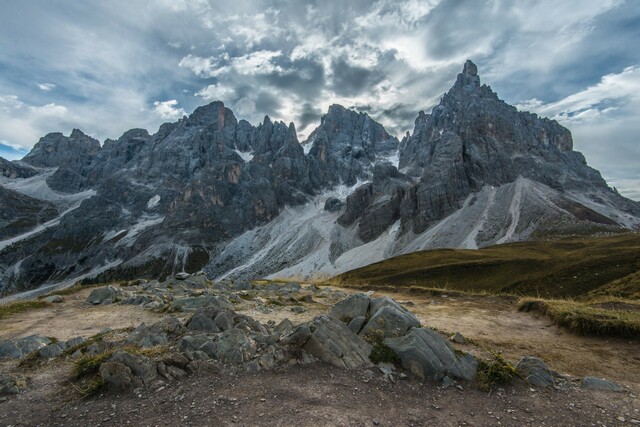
495,371
382,353
93,387
89,341
589,318
10,309
89,365
31,360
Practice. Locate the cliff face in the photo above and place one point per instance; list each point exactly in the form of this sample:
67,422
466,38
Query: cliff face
213,192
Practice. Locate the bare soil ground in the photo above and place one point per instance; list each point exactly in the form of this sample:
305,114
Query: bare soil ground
323,395
73,318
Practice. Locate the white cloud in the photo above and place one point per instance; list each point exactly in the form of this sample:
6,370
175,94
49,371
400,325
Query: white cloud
597,102
167,110
46,86
254,63
216,92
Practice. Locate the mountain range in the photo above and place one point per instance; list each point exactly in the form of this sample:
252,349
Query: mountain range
214,193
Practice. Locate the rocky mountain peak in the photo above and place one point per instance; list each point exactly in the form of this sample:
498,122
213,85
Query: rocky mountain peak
214,113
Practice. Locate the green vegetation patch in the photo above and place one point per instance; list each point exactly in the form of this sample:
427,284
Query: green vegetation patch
89,365
495,372
10,309
616,318
382,353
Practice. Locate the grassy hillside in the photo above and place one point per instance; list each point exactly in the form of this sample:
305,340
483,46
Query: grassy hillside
566,268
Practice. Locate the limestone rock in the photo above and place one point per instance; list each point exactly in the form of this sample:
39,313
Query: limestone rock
20,347
353,306
105,295
429,356
389,321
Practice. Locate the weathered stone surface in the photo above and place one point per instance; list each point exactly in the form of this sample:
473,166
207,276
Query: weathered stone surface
195,303
429,356
51,351
119,377
357,323
353,306
389,321
106,295
331,341
141,366
20,347
11,384
593,383
535,372
54,299
200,322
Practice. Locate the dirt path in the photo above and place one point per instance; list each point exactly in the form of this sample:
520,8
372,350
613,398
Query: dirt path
73,318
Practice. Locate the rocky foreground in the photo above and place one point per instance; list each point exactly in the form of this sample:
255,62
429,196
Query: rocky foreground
364,361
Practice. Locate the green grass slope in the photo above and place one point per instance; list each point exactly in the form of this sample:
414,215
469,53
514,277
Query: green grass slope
567,268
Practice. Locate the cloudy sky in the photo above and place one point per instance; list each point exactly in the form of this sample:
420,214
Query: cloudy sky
106,67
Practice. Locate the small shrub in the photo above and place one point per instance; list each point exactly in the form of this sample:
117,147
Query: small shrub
89,365
495,371
382,353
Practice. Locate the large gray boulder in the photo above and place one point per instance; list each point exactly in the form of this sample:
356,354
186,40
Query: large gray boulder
593,383
20,347
141,366
389,321
535,372
196,303
331,341
106,295
429,356
353,306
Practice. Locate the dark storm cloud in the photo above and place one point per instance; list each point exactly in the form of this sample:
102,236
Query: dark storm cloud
106,67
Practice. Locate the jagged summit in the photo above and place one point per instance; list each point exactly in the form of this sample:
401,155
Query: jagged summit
211,192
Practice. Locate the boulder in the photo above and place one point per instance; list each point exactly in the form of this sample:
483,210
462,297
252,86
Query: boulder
283,328
593,383
20,347
377,303
429,356
389,321
357,323
350,307
200,322
54,299
535,372
195,303
119,377
331,341
182,276
457,338
141,367
106,295
11,385
52,350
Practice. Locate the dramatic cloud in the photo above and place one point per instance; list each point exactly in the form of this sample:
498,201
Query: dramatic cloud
167,110
109,67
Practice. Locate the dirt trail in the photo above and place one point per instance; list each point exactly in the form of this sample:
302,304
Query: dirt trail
73,318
